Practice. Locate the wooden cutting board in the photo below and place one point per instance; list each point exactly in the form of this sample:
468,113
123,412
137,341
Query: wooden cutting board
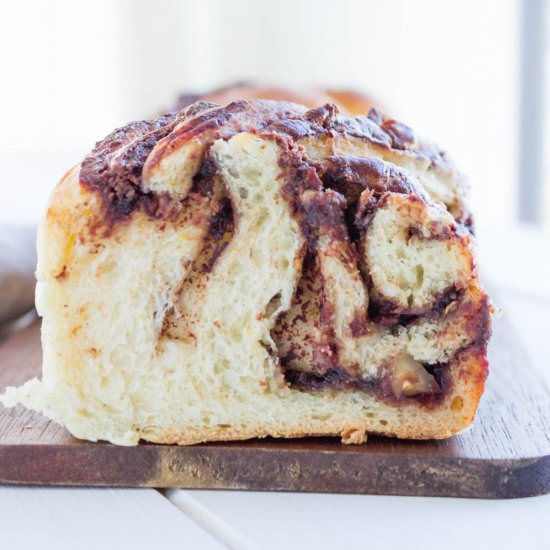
505,454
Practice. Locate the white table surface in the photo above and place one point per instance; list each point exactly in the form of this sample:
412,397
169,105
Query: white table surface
517,263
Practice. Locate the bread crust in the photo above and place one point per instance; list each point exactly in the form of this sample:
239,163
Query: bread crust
350,101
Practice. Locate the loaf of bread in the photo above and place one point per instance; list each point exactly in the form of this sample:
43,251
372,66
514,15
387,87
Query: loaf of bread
259,269
351,102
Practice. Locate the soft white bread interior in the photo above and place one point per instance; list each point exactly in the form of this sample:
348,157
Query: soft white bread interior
223,294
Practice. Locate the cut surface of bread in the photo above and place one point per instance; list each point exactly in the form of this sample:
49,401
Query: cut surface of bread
258,269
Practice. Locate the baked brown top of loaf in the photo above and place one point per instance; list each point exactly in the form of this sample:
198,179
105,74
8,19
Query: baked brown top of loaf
350,101
338,199
115,165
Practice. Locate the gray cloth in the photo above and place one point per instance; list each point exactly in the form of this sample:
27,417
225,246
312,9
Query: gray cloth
17,267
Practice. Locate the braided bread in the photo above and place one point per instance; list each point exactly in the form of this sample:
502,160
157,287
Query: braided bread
259,269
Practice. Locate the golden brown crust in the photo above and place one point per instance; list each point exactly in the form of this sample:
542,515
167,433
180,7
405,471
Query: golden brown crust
350,101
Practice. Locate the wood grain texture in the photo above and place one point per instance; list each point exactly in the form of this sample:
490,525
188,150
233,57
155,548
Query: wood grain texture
505,454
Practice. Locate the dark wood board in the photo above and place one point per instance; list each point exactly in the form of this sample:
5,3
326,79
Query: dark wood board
505,454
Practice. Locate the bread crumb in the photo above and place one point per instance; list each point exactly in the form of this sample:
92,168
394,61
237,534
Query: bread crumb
354,436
